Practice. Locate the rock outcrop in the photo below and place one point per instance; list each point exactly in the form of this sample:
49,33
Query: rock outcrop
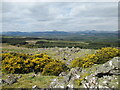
11,79
98,76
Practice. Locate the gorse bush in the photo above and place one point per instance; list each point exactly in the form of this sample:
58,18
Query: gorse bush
54,68
89,60
101,56
14,62
106,54
24,63
76,63
39,62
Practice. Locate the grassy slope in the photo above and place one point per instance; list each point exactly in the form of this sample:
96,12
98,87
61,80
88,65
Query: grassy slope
41,81
27,81
51,51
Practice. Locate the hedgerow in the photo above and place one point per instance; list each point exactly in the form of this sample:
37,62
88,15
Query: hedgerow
101,56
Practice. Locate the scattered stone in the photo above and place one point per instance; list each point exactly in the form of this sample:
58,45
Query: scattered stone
35,87
98,76
2,81
11,79
34,75
62,74
19,76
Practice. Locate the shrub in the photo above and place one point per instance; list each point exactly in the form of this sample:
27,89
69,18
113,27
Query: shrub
76,63
100,57
106,54
89,60
24,63
14,62
54,68
84,62
39,63
12,65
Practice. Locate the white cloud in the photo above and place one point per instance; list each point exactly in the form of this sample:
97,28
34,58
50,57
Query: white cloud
59,16
60,0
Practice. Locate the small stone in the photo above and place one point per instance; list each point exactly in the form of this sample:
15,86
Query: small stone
100,86
105,82
2,81
34,86
117,83
34,75
70,85
77,76
61,86
54,80
110,63
13,81
62,74
19,76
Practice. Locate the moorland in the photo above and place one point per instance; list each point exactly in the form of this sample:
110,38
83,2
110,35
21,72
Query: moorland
38,58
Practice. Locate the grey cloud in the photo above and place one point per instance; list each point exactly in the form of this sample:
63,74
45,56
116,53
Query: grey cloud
98,10
59,16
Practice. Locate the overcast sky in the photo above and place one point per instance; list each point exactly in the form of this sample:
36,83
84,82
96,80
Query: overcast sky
66,16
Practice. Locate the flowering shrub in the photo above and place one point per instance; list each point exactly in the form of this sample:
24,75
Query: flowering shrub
54,68
24,63
106,54
101,56
13,62
76,63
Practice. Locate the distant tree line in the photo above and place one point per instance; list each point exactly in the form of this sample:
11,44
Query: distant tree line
55,42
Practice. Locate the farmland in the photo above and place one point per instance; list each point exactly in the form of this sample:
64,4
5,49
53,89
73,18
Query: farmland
84,40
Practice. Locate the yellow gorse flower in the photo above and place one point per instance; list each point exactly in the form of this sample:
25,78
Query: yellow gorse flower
24,63
101,56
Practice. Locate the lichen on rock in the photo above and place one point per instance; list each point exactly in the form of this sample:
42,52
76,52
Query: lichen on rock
98,76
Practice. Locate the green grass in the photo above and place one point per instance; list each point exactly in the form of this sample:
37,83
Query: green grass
27,81
50,52
41,81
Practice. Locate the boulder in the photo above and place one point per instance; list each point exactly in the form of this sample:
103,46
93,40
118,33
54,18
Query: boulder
66,81
105,76
98,76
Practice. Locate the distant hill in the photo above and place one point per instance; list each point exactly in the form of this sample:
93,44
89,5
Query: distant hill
94,39
35,33
54,33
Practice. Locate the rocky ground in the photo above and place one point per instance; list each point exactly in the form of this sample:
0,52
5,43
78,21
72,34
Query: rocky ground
65,54
98,76
105,76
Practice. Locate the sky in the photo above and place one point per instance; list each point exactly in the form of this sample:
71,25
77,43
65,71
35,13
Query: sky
60,16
